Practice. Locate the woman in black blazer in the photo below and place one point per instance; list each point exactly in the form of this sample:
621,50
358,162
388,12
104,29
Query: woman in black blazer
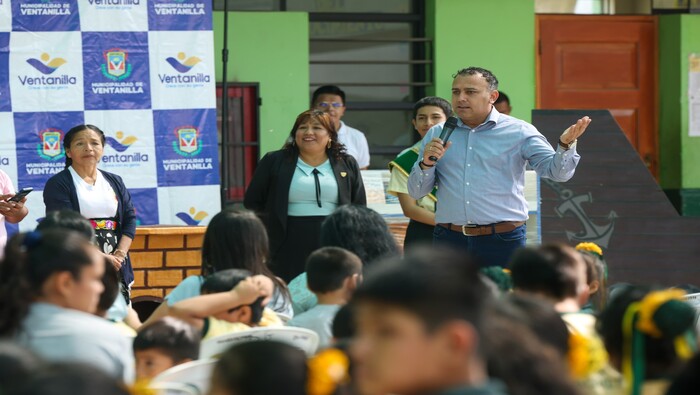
295,188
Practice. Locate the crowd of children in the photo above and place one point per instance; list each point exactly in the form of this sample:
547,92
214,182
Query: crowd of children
429,321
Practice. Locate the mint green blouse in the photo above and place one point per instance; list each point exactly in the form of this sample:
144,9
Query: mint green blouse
302,191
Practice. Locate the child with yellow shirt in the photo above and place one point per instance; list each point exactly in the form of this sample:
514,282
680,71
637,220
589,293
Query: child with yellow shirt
231,301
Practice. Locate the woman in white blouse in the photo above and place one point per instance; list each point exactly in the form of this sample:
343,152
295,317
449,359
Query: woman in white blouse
98,195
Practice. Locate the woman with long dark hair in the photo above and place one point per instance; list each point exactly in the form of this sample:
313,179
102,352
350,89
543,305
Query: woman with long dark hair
98,195
50,284
233,240
295,188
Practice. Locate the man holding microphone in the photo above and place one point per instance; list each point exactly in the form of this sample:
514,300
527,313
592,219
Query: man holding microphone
480,171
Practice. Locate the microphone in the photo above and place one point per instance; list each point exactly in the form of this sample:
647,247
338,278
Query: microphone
447,130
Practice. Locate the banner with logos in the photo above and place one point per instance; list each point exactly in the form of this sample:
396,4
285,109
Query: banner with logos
140,70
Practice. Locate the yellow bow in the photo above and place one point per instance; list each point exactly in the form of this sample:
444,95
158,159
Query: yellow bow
650,304
327,370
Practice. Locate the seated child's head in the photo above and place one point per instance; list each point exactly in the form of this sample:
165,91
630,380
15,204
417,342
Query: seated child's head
556,272
332,269
497,279
541,318
522,358
418,322
163,344
226,280
591,273
67,219
653,331
260,368
596,273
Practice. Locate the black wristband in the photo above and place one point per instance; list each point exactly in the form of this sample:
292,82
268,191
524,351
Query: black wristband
425,164
566,147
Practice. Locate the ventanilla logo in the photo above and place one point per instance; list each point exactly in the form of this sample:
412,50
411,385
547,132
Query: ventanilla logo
116,67
181,64
46,65
187,143
193,218
121,143
50,146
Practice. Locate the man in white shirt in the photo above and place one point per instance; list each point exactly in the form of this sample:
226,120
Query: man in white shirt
331,99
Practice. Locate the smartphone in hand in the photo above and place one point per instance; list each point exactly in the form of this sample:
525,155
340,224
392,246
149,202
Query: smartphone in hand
20,195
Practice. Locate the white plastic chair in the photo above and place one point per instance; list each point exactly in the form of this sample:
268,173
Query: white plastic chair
173,389
305,339
284,317
694,300
191,377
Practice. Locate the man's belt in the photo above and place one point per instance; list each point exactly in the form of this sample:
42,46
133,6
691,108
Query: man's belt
483,230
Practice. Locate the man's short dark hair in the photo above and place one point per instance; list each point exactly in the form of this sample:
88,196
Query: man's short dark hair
173,337
328,267
549,269
439,102
437,285
488,76
226,280
360,230
502,97
327,90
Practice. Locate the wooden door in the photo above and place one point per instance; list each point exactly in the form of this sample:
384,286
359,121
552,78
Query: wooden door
602,62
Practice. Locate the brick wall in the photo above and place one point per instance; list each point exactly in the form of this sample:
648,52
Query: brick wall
164,256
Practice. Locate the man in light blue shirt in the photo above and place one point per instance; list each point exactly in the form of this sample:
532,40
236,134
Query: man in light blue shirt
481,206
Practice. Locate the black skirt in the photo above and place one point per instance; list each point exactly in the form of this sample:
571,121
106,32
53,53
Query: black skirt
303,237
418,233
107,241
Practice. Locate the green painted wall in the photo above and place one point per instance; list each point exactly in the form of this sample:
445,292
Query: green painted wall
430,33
497,35
669,103
690,146
271,48
679,36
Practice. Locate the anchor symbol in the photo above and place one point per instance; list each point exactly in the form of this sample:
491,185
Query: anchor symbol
599,234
